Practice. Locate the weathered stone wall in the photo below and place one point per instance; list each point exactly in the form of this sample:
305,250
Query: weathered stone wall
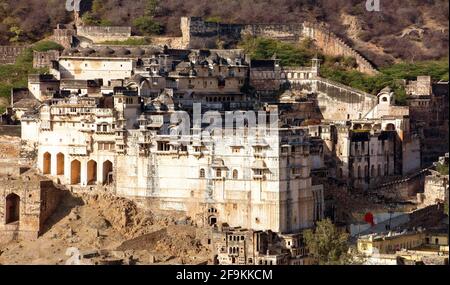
9,54
332,45
173,42
50,197
436,190
44,59
37,200
64,36
400,191
13,131
403,189
101,34
273,31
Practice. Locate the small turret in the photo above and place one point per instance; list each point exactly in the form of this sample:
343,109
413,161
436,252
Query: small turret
315,65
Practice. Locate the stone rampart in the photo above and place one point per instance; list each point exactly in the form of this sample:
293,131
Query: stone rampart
201,34
9,54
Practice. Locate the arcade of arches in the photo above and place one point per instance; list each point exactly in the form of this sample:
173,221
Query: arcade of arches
86,173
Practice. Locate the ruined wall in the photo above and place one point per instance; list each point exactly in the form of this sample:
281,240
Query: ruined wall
9,54
63,36
402,189
37,201
101,34
50,197
436,190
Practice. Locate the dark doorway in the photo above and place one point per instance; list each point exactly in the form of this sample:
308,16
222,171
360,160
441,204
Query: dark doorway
212,220
12,208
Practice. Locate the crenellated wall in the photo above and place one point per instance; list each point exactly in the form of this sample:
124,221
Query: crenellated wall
9,54
200,34
332,45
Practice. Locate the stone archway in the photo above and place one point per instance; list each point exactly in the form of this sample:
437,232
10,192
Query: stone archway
75,172
92,172
47,163
60,164
12,209
108,172
212,220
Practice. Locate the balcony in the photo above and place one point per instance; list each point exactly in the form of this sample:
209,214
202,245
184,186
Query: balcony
145,140
259,155
103,112
259,177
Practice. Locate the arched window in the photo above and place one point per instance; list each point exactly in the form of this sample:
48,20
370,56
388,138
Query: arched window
202,173
235,174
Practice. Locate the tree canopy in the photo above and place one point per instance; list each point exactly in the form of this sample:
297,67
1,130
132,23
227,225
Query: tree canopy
327,244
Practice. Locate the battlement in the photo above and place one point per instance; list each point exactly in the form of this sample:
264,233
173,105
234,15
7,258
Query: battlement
9,54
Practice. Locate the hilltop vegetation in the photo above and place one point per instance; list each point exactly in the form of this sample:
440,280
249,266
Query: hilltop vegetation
16,75
406,29
342,70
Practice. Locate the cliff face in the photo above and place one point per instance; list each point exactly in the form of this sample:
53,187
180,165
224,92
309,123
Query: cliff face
403,29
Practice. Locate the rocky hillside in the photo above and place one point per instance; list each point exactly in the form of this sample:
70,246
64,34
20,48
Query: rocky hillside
402,30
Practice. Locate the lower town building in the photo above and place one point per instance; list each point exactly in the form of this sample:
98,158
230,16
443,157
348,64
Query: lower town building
428,247
238,246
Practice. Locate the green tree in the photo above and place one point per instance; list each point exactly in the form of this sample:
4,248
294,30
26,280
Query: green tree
147,26
327,243
214,19
442,168
89,19
17,31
